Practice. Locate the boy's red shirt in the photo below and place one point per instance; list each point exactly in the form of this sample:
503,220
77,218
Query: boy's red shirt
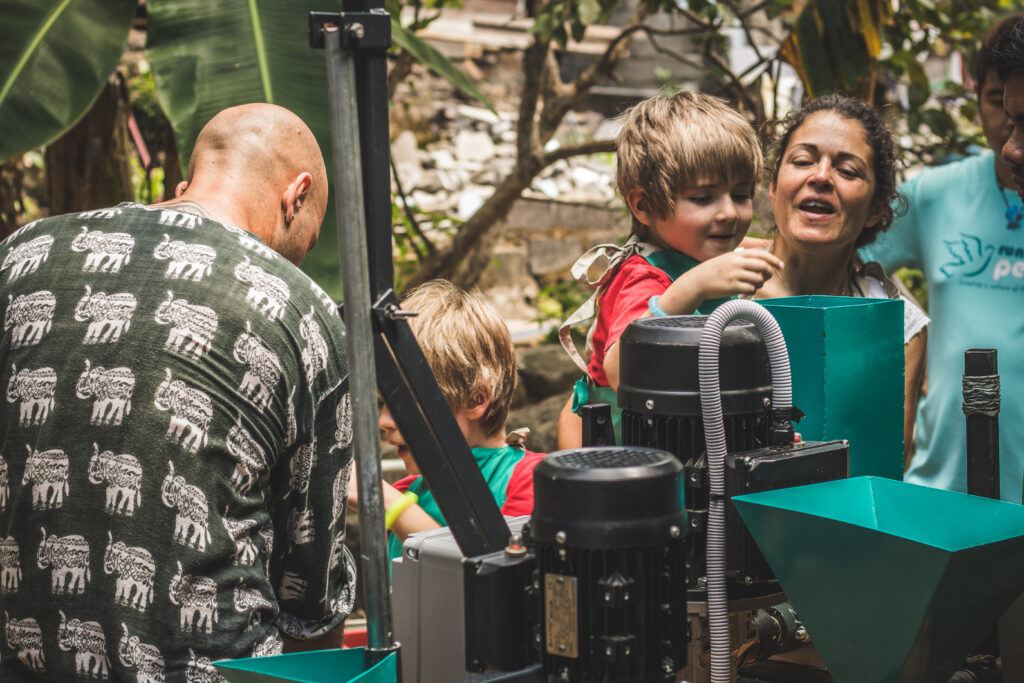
623,301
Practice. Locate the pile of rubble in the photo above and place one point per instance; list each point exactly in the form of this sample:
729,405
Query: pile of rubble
478,148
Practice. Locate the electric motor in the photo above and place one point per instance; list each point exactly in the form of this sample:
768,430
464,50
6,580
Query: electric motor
607,527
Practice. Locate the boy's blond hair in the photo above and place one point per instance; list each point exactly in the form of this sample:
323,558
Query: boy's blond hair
466,343
669,143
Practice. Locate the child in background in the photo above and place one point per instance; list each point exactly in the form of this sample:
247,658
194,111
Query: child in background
687,168
469,349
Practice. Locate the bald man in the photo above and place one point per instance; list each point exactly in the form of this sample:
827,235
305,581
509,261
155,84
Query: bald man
175,433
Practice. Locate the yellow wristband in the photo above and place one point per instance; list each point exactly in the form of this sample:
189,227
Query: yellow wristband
396,510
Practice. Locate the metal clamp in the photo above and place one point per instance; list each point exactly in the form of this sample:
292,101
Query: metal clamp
364,30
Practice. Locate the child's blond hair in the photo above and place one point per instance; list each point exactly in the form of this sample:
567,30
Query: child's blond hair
466,343
669,143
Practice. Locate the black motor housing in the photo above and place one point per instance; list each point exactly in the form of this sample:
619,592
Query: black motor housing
659,393
607,528
659,390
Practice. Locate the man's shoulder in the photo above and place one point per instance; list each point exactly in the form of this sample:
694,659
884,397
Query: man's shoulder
961,173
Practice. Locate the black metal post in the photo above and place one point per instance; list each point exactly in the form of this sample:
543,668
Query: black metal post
414,398
359,340
981,406
371,70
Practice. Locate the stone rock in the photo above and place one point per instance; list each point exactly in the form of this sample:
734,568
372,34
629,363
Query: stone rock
473,146
546,370
553,255
405,148
508,266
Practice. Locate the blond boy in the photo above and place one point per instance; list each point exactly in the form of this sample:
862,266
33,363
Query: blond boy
688,165
469,349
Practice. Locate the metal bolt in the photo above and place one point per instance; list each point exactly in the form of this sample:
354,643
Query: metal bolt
607,597
562,554
536,638
392,310
601,419
626,650
693,522
561,647
560,580
608,650
625,596
693,477
650,404
560,537
702,581
357,30
674,531
748,580
767,401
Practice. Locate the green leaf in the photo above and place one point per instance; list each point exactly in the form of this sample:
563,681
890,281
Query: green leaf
589,11
54,58
208,55
429,56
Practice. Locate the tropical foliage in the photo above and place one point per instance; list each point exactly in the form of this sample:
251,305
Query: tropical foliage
56,57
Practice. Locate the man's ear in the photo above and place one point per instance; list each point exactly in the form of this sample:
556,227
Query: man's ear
294,194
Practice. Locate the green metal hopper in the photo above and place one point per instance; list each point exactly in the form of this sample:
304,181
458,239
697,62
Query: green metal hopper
322,666
895,583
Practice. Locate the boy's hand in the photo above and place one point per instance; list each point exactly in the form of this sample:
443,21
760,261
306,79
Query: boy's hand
737,272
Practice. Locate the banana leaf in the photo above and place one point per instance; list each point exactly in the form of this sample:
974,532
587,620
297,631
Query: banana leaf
208,55
431,57
55,55
834,43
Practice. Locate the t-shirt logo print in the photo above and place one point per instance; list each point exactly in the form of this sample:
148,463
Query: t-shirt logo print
969,256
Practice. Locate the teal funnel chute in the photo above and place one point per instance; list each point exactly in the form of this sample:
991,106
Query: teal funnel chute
895,583
323,666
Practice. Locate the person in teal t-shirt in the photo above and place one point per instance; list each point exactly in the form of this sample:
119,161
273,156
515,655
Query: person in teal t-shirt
687,168
469,349
962,229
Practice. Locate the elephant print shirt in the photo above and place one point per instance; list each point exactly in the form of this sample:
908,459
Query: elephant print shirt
174,449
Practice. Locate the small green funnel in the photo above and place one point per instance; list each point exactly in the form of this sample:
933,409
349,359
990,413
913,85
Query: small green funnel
322,666
894,582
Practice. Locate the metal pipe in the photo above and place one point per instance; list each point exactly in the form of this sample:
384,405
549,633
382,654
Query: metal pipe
359,338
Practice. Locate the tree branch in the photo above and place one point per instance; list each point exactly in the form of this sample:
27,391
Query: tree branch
582,149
